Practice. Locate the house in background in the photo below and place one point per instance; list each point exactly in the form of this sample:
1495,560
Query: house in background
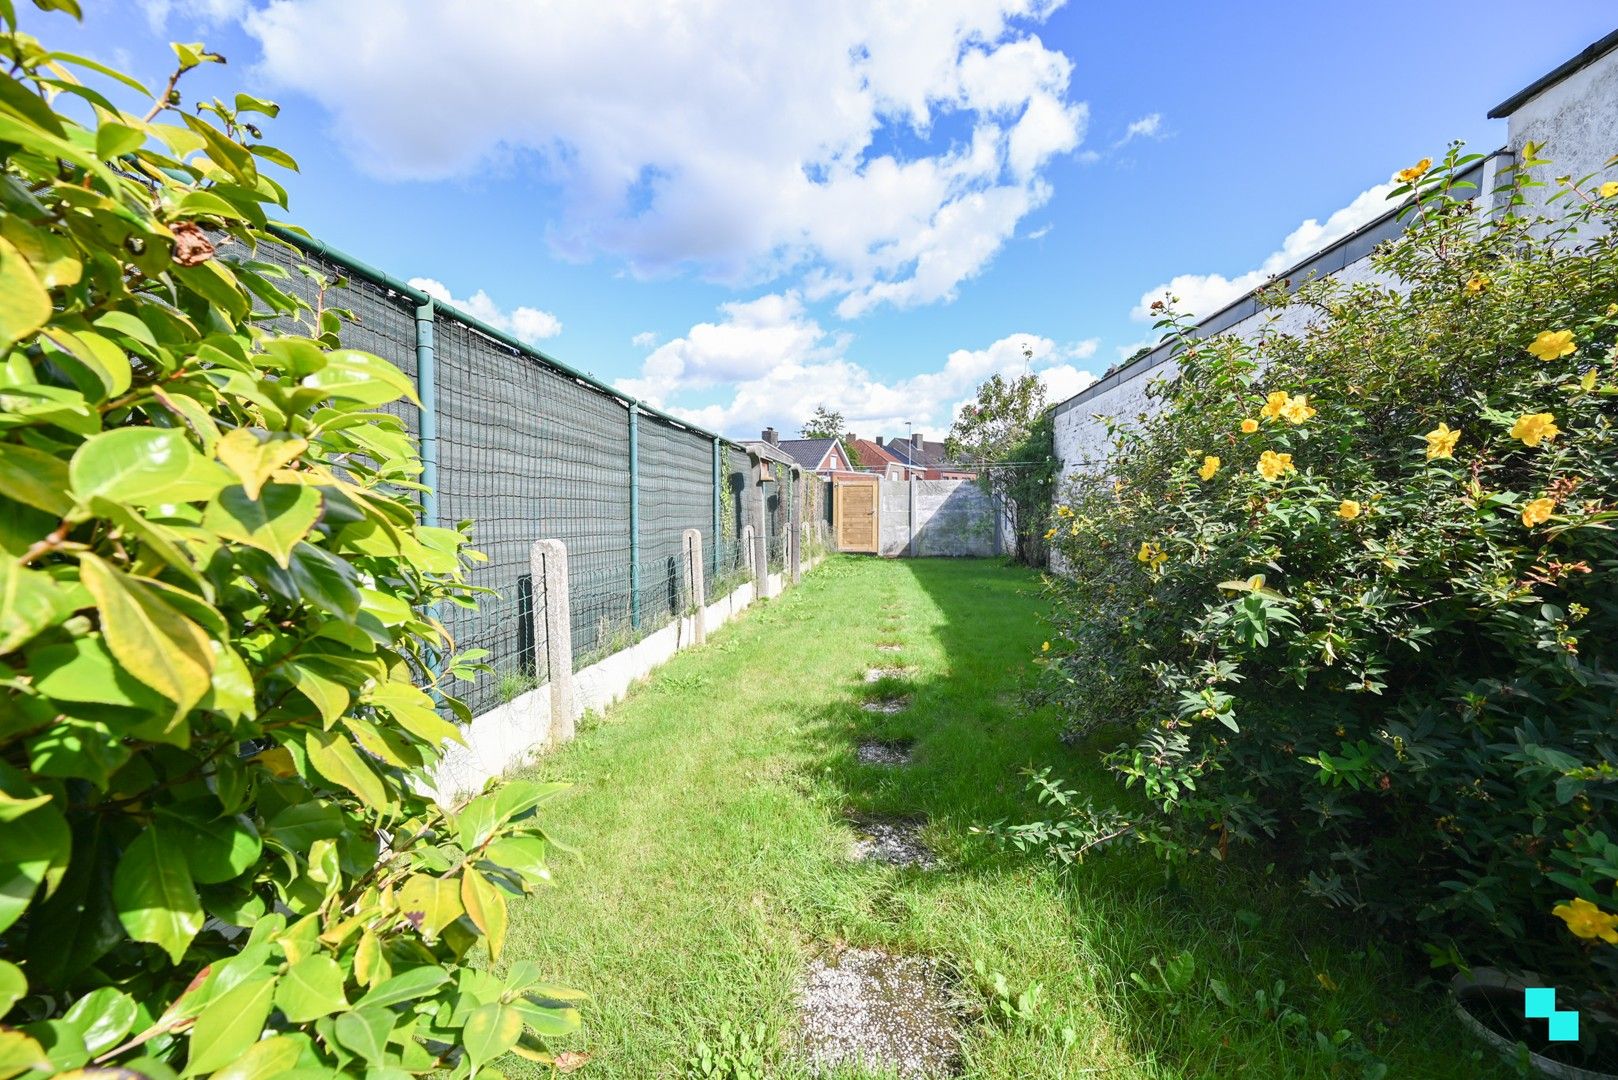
824,457
873,458
923,460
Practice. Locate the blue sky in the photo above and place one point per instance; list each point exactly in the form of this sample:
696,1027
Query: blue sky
739,210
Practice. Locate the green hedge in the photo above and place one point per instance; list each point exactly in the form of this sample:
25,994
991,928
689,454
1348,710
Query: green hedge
1351,591
223,674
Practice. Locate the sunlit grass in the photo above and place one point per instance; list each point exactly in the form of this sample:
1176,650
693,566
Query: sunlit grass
712,811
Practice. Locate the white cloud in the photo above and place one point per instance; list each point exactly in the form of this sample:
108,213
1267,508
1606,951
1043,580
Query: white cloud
880,153
644,340
528,323
767,362
1147,127
158,12
1204,294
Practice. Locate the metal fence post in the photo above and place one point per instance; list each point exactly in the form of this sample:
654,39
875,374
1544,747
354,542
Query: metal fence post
634,515
547,562
718,504
691,543
427,391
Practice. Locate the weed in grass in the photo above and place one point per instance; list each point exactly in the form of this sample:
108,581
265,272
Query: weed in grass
714,824
735,1053
514,684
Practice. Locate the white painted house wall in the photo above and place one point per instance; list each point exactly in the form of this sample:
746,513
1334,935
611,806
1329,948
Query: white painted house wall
1575,118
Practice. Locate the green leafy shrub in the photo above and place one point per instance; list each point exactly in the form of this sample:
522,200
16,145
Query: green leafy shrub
1351,590
221,666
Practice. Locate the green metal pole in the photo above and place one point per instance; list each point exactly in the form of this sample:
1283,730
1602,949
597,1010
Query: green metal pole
718,525
427,390
634,515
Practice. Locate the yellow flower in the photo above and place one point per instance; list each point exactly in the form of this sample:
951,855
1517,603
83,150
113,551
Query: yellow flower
1210,465
1045,647
1049,533
1249,426
1256,582
1416,171
1273,466
1612,309
1609,189
1588,921
1273,404
1553,344
1537,512
1534,427
1441,441
1151,555
1477,284
1297,409
1348,509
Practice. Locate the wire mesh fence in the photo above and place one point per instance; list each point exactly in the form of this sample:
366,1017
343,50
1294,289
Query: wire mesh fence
528,450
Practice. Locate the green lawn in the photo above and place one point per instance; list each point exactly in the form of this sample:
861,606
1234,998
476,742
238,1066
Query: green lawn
710,810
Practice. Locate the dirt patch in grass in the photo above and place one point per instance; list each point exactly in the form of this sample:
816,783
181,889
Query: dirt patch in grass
886,706
889,646
874,752
895,841
865,1008
877,674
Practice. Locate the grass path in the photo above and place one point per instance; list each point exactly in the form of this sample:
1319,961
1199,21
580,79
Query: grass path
711,809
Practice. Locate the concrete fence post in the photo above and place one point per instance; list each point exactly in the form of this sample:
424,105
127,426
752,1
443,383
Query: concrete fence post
910,544
794,537
691,544
745,543
547,561
761,565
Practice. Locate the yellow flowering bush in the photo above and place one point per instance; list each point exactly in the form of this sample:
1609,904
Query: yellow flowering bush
1412,717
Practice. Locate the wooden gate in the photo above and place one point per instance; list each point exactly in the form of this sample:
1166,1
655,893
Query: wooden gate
856,510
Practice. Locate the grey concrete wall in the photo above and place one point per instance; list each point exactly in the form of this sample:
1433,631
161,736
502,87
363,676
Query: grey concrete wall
1575,120
1576,123
922,518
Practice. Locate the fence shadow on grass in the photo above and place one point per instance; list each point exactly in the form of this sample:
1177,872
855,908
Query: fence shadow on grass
1182,967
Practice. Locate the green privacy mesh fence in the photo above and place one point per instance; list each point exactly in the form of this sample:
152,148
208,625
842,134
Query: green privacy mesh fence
528,450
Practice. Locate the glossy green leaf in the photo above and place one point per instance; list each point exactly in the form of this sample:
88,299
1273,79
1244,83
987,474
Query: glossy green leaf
230,1024
430,903
414,711
12,986
351,375
78,748
216,848
34,478
154,895
310,989
549,1017
335,758
274,522
490,1031
147,636
329,697
254,456
24,303
364,1032
103,1017
30,601
409,985
114,140
129,463
34,848
486,907
266,1059
325,580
